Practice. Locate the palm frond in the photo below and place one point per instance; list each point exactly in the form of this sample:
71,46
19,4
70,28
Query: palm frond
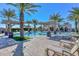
56,17
30,6
13,4
74,14
33,11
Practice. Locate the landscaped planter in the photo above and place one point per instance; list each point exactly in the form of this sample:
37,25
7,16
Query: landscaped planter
18,38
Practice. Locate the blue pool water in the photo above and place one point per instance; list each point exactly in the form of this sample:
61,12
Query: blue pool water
32,34
38,33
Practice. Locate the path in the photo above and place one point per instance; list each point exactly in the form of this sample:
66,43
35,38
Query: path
35,47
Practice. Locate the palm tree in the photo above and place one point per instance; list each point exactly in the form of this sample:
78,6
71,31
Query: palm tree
56,18
41,27
28,22
35,22
8,15
74,15
10,22
29,9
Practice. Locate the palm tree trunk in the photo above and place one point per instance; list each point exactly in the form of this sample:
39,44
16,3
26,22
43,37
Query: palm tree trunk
34,29
22,23
28,27
76,26
41,28
8,25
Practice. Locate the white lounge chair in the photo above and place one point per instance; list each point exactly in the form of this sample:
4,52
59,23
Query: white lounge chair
67,43
60,51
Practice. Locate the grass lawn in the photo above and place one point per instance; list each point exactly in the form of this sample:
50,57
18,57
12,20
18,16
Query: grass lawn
18,38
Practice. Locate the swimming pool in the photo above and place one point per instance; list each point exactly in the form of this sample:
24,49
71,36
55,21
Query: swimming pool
44,33
31,34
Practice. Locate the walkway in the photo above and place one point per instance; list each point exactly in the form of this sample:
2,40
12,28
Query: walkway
35,47
38,46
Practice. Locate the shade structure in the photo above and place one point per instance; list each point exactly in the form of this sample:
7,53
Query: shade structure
9,22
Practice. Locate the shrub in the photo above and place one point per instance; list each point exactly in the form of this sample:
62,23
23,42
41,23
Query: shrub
18,38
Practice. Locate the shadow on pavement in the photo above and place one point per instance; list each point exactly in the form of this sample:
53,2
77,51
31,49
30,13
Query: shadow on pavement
19,49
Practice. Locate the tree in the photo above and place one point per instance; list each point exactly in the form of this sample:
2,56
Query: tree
41,27
56,18
11,22
35,22
74,15
8,15
25,8
28,22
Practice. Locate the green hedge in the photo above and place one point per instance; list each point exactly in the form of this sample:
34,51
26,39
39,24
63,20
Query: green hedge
18,38
15,30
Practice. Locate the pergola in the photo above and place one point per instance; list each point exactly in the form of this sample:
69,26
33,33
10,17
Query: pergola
10,22
44,25
49,24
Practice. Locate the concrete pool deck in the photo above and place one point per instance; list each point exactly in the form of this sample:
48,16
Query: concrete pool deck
34,47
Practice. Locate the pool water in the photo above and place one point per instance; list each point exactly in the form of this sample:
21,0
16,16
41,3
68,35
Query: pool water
44,33
32,34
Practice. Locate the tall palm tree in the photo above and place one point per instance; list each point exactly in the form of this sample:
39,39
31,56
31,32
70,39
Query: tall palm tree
56,17
25,8
74,15
41,23
35,22
10,22
8,15
28,22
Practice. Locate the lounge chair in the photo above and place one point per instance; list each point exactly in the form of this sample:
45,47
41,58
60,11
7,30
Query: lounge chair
67,43
60,51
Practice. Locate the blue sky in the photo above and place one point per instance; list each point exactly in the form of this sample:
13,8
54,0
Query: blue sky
45,11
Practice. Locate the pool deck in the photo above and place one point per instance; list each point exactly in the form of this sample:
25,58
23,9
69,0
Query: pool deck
34,47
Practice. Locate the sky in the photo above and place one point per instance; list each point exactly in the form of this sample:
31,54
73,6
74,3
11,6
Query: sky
45,11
